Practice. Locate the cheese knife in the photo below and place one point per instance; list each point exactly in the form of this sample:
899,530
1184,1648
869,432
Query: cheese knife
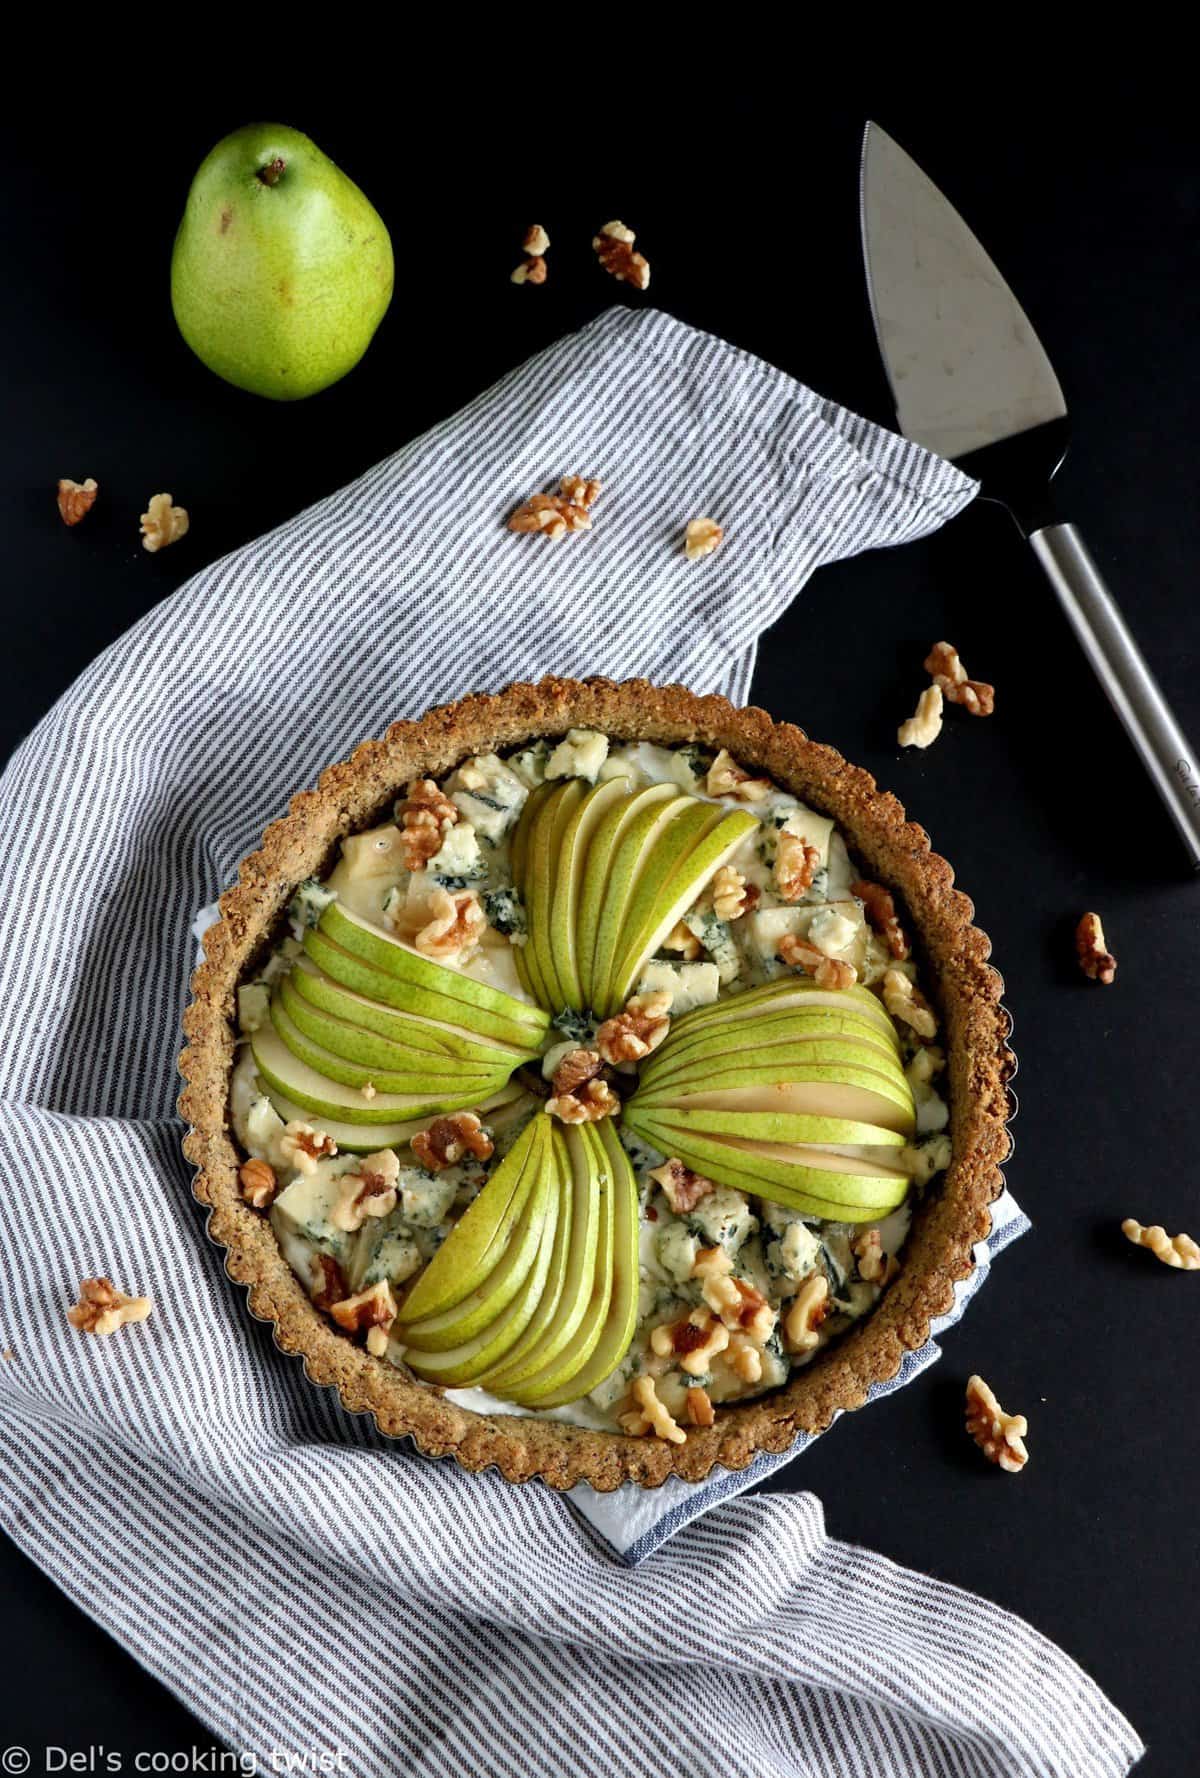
971,381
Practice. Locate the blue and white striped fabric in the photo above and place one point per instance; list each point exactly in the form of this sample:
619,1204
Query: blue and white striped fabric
303,1585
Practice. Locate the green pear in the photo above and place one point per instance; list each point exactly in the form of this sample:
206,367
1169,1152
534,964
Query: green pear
409,1077
759,1122
571,870
823,1089
606,884
774,1058
651,816
282,270
543,870
536,1346
393,957
794,991
409,1048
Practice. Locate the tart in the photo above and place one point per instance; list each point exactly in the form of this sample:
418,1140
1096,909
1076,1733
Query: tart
597,1081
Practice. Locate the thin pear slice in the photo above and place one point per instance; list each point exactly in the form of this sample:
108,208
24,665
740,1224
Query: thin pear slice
542,873
816,1129
647,816
700,1064
524,956
706,846
565,1346
351,971
392,957
596,894
791,992
622,1318
464,1365
413,1078
806,1201
433,1037
532,1351
482,1307
538,1391
839,1188
500,1107
573,858
792,1025
818,1091
478,1238
285,1073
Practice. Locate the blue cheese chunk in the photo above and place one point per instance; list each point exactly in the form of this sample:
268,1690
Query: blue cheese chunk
460,858
675,1248
423,1199
489,795
306,1206
580,755
383,1254
308,904
723,1219
688,984
716,936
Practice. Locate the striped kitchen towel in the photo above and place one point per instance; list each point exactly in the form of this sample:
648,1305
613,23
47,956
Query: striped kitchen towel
305,1586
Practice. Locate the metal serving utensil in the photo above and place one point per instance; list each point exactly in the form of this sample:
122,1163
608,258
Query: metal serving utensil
971,381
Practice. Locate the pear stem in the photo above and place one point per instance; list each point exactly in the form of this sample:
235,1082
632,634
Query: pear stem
272,172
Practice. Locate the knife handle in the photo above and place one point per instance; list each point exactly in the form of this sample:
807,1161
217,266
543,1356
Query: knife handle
1117,662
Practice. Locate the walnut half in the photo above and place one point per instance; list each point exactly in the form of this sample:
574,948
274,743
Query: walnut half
76,499
1095,959
102,1308
1000,1436
162,523
1179,1251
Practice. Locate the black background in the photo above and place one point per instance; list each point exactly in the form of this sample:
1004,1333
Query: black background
743,193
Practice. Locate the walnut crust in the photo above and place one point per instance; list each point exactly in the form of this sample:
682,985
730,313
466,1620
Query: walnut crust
348,797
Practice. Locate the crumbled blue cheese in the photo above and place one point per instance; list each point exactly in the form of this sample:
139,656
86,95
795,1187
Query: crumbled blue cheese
459,858
933,1114
530,764
675,1247
716,936
489,795
833,932
921,1160
688,984
308,904
254,1006
580,755
424,1199
383,1254
506,912
795,1251
723,1218
262,1129
306,1206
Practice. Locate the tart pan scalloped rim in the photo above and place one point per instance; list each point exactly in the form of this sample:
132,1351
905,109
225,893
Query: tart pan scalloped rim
975,1030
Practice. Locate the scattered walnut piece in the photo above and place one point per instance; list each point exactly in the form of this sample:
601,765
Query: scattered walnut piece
576,1067
370,1190
827,972
711,1262
874,1265
681,938
923,728
162,523
586,1105
614,247
327,1283
810,1306
950,676
102,1308
732,896
699,1406
535,246
632,1034
457,923
1095,959
302,1147
796,864
448,1139
76,499
1179,1251
695,1341
905,1002
648,1414
371,1312
682,1188
727,778
881,914
553,515
258,1182
701,538
1000,1436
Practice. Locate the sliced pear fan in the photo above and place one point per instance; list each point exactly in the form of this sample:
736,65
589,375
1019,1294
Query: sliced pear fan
498,1110
533,1294
604,874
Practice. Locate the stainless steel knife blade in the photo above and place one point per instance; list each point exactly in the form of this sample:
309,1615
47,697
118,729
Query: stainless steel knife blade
965,366
972,382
